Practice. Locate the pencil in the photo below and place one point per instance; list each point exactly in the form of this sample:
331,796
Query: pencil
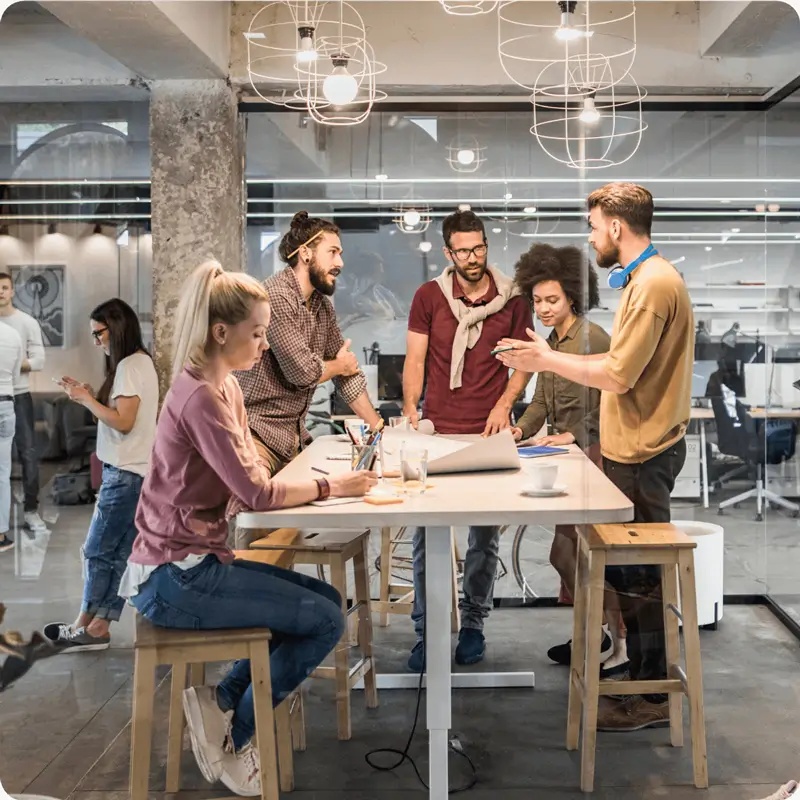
322,471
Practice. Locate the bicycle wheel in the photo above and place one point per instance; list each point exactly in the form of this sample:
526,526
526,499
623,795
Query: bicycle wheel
530,563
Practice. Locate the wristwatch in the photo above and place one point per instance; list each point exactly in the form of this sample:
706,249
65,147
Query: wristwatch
324,488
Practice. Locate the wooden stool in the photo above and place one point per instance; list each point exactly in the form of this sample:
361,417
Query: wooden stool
398,598
627,545
193,648
334,549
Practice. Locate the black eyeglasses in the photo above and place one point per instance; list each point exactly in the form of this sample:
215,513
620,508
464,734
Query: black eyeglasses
98,333
464,253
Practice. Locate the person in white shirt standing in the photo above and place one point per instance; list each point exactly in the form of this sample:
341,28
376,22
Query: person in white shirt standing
10,363
126,407
32,361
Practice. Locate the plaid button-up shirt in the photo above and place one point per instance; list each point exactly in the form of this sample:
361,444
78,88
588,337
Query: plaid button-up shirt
278,390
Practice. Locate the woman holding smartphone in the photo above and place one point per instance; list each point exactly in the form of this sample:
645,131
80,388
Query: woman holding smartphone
204,469
562,286
125,408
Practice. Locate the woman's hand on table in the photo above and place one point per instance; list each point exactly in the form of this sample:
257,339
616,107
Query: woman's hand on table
558,440
352,484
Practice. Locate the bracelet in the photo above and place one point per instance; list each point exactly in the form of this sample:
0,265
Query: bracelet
323,488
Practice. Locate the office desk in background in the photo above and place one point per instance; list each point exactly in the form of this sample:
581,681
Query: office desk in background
456,500
703,415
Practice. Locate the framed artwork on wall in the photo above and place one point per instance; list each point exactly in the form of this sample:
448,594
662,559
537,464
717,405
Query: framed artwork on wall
39,291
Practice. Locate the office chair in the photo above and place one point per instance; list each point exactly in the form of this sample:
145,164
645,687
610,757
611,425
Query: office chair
756,445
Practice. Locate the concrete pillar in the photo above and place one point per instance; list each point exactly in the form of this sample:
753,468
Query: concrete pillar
197,151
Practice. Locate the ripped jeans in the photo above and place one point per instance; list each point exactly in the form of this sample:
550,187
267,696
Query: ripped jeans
304,615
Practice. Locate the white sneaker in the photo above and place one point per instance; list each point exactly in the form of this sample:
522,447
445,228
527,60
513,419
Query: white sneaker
791,789
241,772
34,521
208,728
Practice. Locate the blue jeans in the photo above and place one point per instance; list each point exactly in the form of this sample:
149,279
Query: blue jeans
304,615
109,542
6,440
480,566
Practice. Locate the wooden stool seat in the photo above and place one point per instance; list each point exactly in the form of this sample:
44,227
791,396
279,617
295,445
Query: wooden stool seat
333,549
657,544
182,649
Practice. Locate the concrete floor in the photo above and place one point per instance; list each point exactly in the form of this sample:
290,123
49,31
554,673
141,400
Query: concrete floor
64,727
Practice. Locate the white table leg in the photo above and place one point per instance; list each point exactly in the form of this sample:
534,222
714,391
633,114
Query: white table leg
438,605
704,461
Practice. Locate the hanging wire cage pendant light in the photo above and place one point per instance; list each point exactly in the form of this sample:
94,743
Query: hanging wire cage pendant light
469,8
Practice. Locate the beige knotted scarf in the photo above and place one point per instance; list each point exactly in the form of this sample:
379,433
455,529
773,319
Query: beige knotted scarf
470,318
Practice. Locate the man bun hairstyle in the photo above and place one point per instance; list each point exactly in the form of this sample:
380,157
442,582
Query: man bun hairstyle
303,230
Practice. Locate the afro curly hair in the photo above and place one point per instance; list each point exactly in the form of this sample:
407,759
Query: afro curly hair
567,266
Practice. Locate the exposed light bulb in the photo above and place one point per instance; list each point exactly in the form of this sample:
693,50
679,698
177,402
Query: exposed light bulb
529,209
412,218
340,87
708,249
465,157
497,230
773,208
736,230
590,114
306,52
425,247
465,207
566,31
381,176
508,196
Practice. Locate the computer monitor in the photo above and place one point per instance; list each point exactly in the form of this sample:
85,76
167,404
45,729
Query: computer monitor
390,377
701,372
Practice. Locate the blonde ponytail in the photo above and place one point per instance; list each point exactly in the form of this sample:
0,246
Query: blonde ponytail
210,295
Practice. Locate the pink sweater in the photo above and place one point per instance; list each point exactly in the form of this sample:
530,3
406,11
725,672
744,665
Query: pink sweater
202,456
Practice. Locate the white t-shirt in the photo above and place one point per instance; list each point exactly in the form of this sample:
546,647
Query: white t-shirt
136,377
30,333
10,359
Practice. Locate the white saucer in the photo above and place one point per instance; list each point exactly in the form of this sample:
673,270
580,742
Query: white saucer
554,491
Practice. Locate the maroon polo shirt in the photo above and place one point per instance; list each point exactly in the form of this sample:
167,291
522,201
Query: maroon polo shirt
464,410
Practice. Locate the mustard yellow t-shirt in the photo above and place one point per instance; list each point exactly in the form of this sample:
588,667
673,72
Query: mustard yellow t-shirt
652,353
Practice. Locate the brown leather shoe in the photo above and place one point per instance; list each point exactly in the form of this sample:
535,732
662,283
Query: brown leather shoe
633,714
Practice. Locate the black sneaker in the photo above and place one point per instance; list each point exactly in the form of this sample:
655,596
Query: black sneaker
78,640
5,543
562,653
471,647
416,661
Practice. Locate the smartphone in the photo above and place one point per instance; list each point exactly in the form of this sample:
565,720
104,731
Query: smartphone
500,350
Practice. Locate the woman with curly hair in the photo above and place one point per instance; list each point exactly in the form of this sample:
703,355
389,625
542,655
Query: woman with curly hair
562,287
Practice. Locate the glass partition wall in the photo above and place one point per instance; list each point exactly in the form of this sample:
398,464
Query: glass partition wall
726,215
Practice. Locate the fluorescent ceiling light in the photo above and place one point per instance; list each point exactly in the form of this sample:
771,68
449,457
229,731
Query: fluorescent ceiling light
381,176
529,209
497,230
425,247
252,35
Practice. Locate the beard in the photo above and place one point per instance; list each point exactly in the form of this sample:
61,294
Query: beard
472,276
322,281
606,259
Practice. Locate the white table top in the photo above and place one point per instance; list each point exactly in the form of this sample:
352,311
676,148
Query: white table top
487,498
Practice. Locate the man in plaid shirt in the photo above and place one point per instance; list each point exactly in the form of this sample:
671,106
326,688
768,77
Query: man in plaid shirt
306,345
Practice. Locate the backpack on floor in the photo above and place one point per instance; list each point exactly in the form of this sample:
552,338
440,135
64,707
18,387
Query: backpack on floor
72,489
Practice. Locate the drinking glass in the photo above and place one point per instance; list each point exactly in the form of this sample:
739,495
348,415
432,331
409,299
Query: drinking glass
402,423
413,468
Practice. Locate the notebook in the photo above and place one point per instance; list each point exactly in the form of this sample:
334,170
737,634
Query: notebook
539,451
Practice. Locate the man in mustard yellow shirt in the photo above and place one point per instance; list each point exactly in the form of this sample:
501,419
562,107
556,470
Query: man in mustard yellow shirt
645,381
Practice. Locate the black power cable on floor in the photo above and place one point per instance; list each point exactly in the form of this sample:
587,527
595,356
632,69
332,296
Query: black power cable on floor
403,756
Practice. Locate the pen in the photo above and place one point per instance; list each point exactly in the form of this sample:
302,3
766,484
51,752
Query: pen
322,471
500,350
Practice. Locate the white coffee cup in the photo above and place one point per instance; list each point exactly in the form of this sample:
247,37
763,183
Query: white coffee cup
543,476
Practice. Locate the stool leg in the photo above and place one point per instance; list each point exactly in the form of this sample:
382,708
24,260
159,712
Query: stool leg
591,678
341,654
298,719
694,672
176,726
197,674
265,719
144,686
386,575
365,622
283,724
455,613
578,666
669,594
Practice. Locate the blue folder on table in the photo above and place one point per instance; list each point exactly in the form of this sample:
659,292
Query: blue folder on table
538,452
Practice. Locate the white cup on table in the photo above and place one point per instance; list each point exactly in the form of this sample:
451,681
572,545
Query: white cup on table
543,476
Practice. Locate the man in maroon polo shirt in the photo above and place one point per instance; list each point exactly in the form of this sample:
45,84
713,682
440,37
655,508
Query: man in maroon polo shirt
452,328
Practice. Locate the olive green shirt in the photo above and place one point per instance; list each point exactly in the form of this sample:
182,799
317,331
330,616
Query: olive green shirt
566,406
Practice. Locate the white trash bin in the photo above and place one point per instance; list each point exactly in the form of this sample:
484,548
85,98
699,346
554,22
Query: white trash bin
709,567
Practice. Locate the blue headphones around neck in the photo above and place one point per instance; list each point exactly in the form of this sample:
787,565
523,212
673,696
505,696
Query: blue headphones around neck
619,277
